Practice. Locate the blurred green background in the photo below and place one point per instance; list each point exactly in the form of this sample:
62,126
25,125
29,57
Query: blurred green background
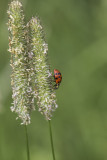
76,32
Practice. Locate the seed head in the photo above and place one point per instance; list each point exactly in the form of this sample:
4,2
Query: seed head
21,60
45,94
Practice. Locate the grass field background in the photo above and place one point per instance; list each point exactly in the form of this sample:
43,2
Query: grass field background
76,32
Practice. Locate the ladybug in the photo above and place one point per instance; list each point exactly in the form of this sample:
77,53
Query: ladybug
57,77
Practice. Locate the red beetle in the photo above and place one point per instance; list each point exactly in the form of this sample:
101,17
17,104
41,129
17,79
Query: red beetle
57,77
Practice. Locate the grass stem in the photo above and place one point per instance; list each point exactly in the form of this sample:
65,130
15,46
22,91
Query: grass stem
27,144
51,139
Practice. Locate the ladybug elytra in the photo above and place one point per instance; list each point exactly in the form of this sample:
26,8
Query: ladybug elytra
57,77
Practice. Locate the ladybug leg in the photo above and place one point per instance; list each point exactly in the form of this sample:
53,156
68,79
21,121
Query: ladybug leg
56,86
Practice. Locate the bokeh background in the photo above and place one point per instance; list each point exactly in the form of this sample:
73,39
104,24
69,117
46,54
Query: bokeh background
76,32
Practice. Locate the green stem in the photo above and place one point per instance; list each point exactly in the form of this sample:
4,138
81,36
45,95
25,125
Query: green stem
52,146
27,144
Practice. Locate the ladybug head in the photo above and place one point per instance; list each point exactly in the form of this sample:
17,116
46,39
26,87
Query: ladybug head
56,71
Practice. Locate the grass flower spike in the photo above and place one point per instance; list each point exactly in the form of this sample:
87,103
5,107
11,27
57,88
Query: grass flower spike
22,72
31,77
45,95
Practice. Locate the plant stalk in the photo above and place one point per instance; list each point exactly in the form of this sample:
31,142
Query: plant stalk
51,139
27,144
